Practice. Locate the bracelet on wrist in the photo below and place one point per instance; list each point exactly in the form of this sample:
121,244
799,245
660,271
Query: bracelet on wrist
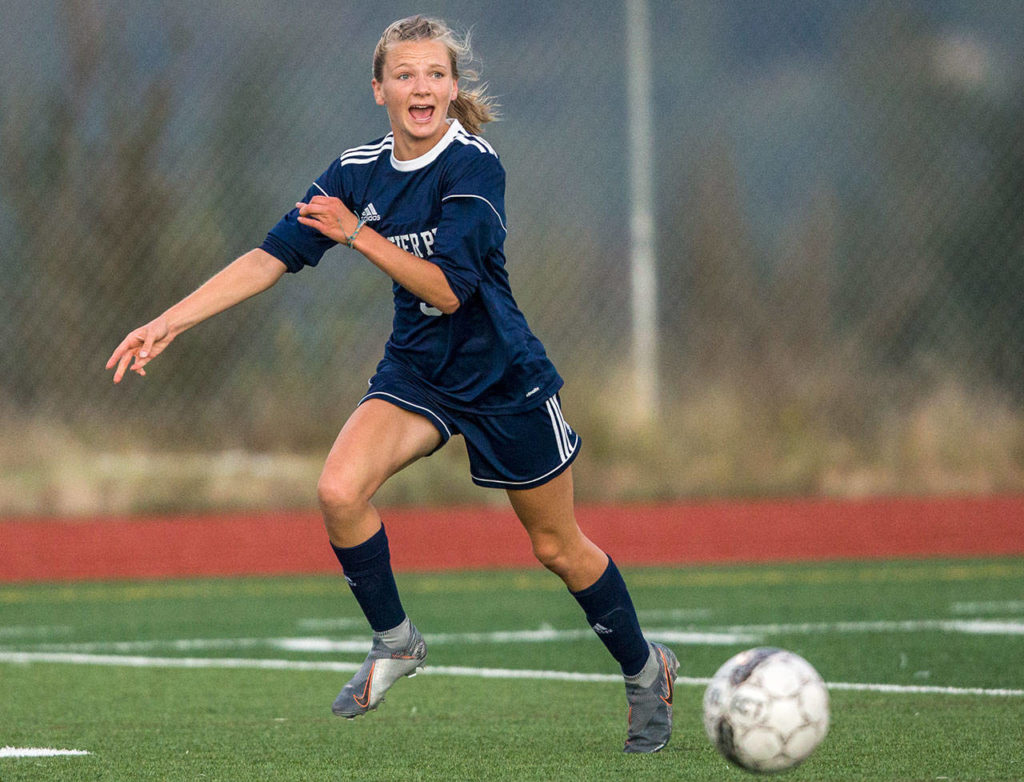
351,239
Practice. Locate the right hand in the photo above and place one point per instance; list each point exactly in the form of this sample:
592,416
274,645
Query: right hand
142,345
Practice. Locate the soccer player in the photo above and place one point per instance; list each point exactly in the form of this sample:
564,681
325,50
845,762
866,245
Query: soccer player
425,204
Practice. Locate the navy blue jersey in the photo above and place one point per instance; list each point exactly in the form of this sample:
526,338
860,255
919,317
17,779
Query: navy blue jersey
447,206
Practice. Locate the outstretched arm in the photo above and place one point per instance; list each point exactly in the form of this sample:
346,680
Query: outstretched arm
244,277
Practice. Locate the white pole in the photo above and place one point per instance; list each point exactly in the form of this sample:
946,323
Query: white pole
644,304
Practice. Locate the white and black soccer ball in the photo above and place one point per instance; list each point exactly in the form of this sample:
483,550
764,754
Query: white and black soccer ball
766,709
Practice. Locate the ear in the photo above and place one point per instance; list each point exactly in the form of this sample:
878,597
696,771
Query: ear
455,91
378,92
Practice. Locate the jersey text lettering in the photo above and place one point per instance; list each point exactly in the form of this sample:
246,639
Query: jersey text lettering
418,244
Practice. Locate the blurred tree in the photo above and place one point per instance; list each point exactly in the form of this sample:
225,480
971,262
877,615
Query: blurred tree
714,310
983,248
932,250
112,226
88,198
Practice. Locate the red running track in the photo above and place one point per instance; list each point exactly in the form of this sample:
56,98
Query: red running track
484,537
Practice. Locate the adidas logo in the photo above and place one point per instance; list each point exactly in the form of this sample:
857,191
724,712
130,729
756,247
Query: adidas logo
600,629
369,214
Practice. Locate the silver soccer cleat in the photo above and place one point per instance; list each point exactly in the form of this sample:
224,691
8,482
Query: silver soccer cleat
381,669
650,708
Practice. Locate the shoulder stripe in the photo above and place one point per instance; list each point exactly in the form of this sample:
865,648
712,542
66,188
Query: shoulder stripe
475,141
501,222
368,152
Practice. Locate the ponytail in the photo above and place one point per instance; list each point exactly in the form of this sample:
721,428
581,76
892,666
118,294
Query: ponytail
473,108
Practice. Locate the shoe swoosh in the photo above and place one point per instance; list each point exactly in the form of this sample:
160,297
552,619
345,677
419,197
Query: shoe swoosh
362,704
669,679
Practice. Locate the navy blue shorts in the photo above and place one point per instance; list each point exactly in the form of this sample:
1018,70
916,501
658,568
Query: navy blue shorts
511,451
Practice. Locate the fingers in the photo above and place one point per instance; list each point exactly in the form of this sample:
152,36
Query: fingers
325,214
140,347
126,359
306,211
318,205
120,350
122,365
147,345
137,367
122,356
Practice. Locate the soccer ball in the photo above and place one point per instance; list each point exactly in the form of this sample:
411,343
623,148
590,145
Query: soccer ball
766,709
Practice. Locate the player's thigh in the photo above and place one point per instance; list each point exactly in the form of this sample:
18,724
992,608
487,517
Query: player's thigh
548,508
377,440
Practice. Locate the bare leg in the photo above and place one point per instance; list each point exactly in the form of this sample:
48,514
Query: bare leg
650,669
378,440
547,514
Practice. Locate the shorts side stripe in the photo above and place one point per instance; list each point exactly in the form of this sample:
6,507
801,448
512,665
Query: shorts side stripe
407,404
566,429
560,440
566,440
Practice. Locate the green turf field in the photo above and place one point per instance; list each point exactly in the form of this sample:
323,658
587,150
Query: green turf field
233,679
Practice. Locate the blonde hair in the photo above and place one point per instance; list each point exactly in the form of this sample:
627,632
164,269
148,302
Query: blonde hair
472,107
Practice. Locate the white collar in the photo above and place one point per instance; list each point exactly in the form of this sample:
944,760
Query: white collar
428,157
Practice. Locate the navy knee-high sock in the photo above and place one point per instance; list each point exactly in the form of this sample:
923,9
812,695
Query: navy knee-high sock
367,569
610,613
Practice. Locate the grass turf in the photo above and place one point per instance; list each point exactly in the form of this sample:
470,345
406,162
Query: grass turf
214,724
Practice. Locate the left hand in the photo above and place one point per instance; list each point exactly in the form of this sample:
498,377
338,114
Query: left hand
329,216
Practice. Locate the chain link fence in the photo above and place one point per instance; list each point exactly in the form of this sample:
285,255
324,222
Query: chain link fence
840,245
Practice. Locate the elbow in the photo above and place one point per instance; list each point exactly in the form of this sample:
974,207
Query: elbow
449,305
445,299
268,268
441,295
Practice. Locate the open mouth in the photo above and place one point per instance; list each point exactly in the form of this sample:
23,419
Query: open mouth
421,113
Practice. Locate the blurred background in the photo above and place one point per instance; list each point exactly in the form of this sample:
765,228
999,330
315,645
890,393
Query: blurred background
839,245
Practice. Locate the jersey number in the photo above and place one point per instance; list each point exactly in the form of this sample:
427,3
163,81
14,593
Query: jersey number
426,309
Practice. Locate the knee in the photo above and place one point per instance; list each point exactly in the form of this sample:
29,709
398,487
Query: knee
339,499
573,558
553,553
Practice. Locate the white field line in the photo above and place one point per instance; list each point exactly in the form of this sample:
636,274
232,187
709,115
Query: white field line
37,752
711,636
138,661
126,661
988,607
361,644
969,626
924,689
332,623
22,631
676,614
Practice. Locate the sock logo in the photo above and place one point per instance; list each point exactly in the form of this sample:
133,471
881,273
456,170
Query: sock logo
351,582
600,629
